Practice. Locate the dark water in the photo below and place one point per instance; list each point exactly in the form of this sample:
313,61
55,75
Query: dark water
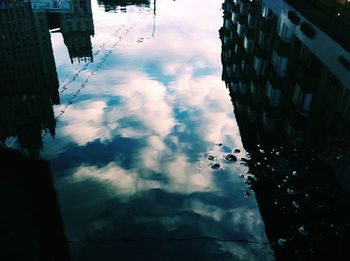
174,132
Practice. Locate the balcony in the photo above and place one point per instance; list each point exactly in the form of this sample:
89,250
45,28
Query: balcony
248,45
296,122
261,53
234,85
241,30
273,94
244,7
306,78
236,9
294,132
254,9
234,18
243,87
343,61
253,111
264,39
281,48
275,81
302,100
260,67
255,91
279,64
266,25
249,41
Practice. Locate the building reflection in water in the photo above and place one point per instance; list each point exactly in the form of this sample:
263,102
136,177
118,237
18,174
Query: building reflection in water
28,78
287,70
77,27
31,224
120,5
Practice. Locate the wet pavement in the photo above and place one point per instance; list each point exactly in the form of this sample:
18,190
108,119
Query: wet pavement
183,129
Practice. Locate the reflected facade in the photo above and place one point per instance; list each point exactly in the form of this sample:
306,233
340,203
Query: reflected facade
77,27
120,5
288,75
28,78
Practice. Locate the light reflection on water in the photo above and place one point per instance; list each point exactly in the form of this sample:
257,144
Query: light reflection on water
134,131
127,103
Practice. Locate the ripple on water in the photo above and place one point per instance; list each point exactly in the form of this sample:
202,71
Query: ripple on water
292,191
281,242
211,157
215,166
230,158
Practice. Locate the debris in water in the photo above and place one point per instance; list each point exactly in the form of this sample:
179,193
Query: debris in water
296,204
281,242
292,191
230,158
215,166
302,230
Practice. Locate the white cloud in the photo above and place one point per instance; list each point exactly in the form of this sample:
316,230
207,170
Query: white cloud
82,122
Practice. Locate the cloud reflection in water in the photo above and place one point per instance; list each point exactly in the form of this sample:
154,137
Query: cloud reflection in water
165,95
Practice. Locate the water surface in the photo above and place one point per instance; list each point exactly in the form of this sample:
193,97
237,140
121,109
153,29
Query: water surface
193,130
134,132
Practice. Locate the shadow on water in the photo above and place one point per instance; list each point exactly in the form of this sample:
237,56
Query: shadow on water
291,99
30,223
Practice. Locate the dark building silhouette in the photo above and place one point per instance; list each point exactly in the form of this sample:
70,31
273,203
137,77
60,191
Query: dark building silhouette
286,66
28,78
77,27
30,223
120,5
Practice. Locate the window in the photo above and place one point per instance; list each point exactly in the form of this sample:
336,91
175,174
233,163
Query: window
305,55
266,12
285,33
248,45
264,40
259,66
274,95
302,100
280,64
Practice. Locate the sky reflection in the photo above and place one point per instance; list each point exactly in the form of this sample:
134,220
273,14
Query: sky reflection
135,129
